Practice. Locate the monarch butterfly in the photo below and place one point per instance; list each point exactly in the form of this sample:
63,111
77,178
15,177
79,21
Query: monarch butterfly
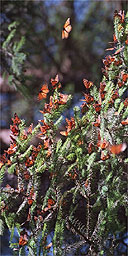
44,128
12,149
120,15
63,98
119,50
1,164
43,92
115,95
86,183
55,82
126,42
46,144
29,131
97,122
71,124
87,83
49,152
114,38
51,202
102,87
84,108
14,129
108,60
29,162
26,175
109,49
116,149
30,200
48,107
125,122
126,102
90,147
124,77
102,144
117,62
88,98
104,156
66,29
23,135
16,119
97,107
23,239
64,133
73,175
120,83
69,127
48,246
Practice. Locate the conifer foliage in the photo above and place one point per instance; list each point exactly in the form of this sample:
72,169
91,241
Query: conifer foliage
77,183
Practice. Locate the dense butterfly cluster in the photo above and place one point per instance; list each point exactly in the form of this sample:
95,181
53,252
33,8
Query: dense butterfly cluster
27,160
110,62
69,127
89,100
23,135
44,89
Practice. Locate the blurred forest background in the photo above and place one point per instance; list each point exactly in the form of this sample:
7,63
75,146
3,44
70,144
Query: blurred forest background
44,54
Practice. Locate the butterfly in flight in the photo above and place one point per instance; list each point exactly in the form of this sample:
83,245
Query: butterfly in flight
117,149
66,29
43,92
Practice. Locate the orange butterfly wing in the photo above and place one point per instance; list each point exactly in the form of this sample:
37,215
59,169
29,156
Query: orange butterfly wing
124,122
119,50
126,42
30,129
50,202
30,201
124,77
103,156
55,80
109,49
88,98
114,38
97,107
16,119
43,92
126,102
48,246
66,29
116,149
64,133
67,23
23,240
64,34
87,83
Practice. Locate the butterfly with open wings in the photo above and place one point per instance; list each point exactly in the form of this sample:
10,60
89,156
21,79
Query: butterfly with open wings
43,92
117,149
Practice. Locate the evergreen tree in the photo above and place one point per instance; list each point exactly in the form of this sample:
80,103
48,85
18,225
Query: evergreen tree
75,184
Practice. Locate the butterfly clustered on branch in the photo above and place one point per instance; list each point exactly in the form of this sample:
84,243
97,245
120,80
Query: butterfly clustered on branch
89,99
44,89
91,147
